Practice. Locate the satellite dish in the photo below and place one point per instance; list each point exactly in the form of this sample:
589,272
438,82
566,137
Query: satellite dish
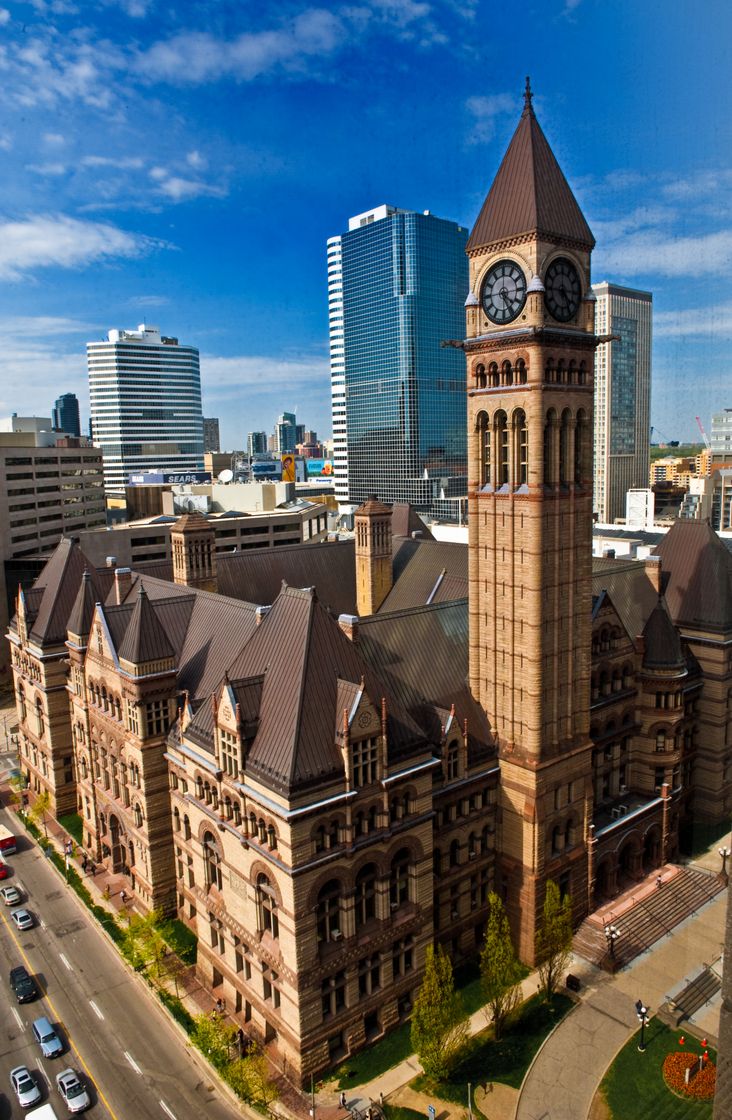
226,475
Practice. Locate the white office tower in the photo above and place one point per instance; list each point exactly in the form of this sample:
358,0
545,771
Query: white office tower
622,397
337,370
145,395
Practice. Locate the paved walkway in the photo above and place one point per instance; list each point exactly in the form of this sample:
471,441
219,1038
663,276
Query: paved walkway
567,1072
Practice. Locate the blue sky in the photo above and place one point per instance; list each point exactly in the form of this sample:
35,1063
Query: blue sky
184,164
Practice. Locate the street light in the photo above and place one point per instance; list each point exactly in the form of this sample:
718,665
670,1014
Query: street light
642,1013
612,933
724,853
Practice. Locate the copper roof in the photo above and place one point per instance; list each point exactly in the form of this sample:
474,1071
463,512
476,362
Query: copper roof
630,590
372,507
699,590
529,194
193,522
82,612
427,571
662,645
145,639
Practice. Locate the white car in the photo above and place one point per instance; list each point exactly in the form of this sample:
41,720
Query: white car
23,919
72,1090
10,896
24,1086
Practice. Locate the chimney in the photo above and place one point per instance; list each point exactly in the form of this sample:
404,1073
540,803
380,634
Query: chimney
652,565
349,625
608,554
122,584
260,614
111,561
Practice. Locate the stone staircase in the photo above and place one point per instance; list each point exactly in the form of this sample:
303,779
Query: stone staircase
700,990
645,920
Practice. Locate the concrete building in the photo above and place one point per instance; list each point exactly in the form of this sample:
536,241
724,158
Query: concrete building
145,393
66,414
622,396
211,437
397,282
47,491
721,437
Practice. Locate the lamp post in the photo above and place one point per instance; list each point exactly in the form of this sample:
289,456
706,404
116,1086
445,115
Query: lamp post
612,933
642,1013
724,853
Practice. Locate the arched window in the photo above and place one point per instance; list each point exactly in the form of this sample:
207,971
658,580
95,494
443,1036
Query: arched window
661,740
186,828
453,761
271,836
366,893
520,372
550,436
582,374
138,815
22,709
472,846
40,721
521,448
556,833
506,373
550,372
484,442
267,906
565,465
568,834
83,769
211,861
399,879
237,813
176,819
328,911
501,429
582,452
480,379
494,379
454,853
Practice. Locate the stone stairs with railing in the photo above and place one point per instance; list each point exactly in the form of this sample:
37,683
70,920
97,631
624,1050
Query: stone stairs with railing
643,922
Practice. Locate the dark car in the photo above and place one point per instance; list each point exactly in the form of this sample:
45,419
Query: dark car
23,984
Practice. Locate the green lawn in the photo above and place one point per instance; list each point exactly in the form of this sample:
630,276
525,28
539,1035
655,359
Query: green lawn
507,1060
395,1112
74,825
634,1087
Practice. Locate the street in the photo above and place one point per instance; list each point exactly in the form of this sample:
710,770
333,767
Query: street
132,1058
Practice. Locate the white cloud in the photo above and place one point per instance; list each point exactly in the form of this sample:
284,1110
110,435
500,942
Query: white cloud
652,251
48,240
54,139
485,111
182,190
48,168
227,377
6,142
708,321
41,353
124,162
4,16
196,160
149,301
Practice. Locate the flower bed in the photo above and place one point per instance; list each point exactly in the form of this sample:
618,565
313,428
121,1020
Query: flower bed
701,1086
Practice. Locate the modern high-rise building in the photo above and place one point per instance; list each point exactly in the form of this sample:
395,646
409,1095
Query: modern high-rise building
397,282
622,397
145,393
66,414
256,443
211,437
286,432
721,436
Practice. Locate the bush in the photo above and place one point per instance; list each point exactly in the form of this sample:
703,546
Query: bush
180,938
176,1009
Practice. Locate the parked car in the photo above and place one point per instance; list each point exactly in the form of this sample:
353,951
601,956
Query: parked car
72,1090
10,895
4,870
24,1086
23,984
23,919
47,1038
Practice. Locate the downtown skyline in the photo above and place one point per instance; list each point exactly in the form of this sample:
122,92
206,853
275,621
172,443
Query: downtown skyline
185,166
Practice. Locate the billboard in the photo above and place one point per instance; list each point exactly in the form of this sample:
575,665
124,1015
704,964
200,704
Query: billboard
172,478
319,468
190,503
266,470
288,468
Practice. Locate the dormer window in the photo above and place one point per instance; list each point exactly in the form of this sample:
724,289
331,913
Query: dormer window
364,761
453,761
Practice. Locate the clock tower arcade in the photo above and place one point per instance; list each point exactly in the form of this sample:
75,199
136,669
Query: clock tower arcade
530,349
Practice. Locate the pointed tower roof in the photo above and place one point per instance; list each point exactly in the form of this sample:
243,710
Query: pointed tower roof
662,646
699,590
82,612
529,193
144,640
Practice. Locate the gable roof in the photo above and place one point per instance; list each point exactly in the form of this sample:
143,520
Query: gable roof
145,639
427,571
662,648
530,193
80,620
699,589
60,581
629,588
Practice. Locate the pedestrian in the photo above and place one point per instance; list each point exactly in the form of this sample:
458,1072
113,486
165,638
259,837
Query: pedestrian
659,880
84,863
123,896
342,1100
381,1099
92,867
220,1006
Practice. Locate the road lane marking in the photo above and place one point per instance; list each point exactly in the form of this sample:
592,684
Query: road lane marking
166,1110
18,1019
42,924
43,1071
95,1009
133,1063
66,962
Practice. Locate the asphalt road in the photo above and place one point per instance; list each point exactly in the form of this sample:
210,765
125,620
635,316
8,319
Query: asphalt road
134,1062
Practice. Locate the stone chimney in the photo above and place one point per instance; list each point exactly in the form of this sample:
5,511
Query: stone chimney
374,575
260,614
349,625
652,565
193,542
122,584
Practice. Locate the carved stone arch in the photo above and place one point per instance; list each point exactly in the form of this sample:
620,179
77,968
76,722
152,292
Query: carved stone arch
326,876
480,376
521,371
502,448
494,377
411,843
520,442
582,373
260,867
506,372
483,429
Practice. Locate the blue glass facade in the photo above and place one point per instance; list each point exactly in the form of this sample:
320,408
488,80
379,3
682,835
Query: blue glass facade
624,387
405,278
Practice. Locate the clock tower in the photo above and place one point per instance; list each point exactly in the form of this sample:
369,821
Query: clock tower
530,345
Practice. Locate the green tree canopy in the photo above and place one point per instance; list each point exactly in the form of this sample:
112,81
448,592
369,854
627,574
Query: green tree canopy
554,938
439,1024
500,970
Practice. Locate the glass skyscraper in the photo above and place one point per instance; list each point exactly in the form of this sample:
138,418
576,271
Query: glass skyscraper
403,278
622,397
65,416
145,394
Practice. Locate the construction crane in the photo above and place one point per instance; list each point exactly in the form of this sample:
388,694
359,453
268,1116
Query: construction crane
665,442
705,437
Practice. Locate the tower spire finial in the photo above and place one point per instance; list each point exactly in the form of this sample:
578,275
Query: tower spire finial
528,95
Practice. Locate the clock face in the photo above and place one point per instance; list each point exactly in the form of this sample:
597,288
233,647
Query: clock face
562,290
504,292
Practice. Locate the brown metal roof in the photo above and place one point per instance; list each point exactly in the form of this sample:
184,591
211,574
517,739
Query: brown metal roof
256,575
529,194
427,571
630,590
662,645
405,520
82,612
60,580
699,589
145,639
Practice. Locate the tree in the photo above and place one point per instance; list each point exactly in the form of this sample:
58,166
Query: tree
439,1024
250,1079
214,1038
17,788
554,938
500,970
38,810
143,943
